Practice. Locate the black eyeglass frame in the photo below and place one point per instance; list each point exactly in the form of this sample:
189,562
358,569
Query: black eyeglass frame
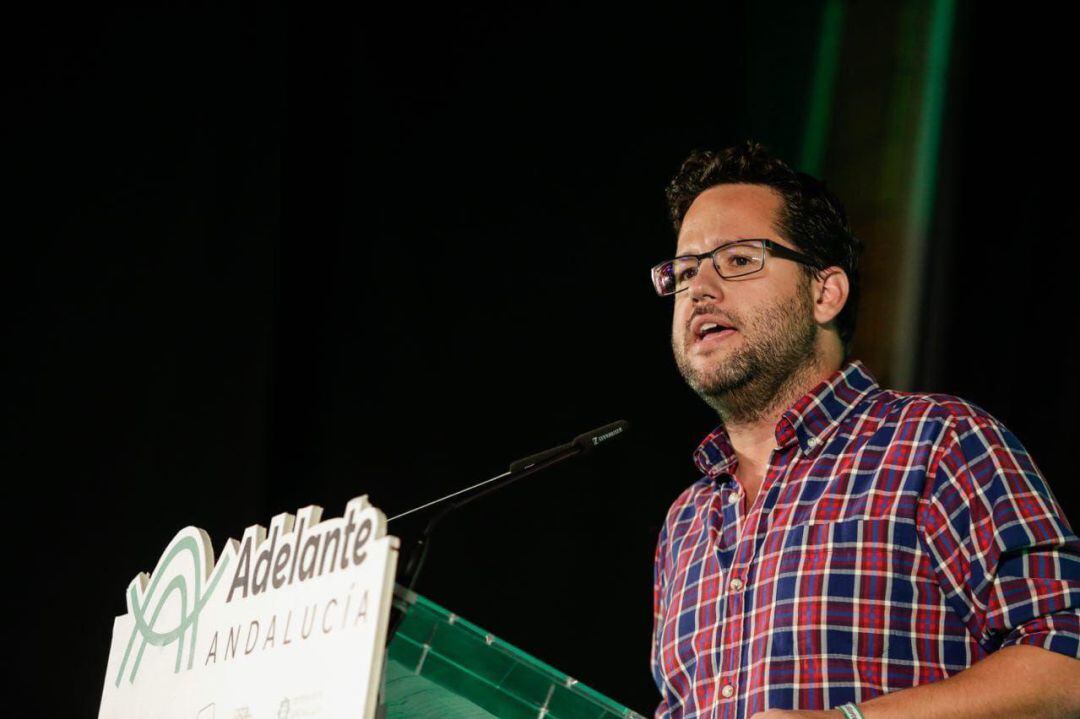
774,248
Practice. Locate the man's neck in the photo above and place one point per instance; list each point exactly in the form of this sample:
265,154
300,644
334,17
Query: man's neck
753,434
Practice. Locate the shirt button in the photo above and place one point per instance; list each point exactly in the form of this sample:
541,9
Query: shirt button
736,584
727,691
812,442
733,498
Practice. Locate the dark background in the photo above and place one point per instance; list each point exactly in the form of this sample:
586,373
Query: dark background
264,258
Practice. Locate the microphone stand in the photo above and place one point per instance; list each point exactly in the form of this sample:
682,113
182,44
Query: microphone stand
518,470
419,551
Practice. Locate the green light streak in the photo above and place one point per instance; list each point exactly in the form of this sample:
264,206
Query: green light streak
823,86
923,187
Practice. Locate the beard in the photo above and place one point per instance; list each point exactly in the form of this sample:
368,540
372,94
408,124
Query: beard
779,350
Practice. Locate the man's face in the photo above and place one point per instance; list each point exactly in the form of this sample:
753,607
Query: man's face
769,318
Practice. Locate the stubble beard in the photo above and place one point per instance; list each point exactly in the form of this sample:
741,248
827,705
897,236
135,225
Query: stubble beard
768,372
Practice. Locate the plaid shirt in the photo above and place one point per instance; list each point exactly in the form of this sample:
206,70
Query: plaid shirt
897,539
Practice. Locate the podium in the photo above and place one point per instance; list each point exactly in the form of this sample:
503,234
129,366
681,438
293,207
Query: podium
291,621
439,665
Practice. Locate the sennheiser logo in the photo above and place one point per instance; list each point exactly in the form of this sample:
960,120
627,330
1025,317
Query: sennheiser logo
166,608
606,436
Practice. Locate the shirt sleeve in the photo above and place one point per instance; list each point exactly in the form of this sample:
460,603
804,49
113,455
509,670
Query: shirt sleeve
1005,556
663,710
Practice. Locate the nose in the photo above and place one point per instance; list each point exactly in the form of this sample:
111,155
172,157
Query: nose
706,284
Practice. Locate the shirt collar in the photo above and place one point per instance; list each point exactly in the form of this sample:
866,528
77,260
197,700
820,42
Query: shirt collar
809,421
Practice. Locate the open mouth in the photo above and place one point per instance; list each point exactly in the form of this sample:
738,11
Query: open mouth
712,331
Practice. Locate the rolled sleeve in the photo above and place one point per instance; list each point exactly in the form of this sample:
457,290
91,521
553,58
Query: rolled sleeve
1004,555
663,710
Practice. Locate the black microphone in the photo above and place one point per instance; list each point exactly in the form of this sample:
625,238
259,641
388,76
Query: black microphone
586,442
582,444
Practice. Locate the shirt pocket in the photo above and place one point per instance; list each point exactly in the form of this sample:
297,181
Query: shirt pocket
845,584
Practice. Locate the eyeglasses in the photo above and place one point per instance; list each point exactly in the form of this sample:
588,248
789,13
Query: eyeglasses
731,260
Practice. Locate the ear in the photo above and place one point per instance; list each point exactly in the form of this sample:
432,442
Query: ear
830,289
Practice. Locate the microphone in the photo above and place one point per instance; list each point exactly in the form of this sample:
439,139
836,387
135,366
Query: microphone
586,442
582,444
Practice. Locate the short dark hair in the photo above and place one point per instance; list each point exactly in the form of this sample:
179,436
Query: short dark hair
812,217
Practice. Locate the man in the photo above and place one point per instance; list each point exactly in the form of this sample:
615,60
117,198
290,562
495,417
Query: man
850,551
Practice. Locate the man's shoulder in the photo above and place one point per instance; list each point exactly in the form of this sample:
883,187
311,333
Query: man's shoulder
895,406
944,425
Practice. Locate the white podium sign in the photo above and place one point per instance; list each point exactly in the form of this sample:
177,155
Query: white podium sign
287,623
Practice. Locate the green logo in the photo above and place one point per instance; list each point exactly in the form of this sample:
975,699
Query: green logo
189,593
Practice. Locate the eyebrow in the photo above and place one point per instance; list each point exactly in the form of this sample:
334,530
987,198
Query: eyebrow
718,245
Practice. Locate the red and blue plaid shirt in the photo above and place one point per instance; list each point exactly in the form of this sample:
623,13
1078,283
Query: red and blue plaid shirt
896,539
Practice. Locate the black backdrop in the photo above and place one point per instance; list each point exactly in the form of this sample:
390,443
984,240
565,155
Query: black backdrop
262,259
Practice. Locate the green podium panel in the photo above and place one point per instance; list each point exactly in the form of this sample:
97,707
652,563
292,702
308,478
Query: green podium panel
441,666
